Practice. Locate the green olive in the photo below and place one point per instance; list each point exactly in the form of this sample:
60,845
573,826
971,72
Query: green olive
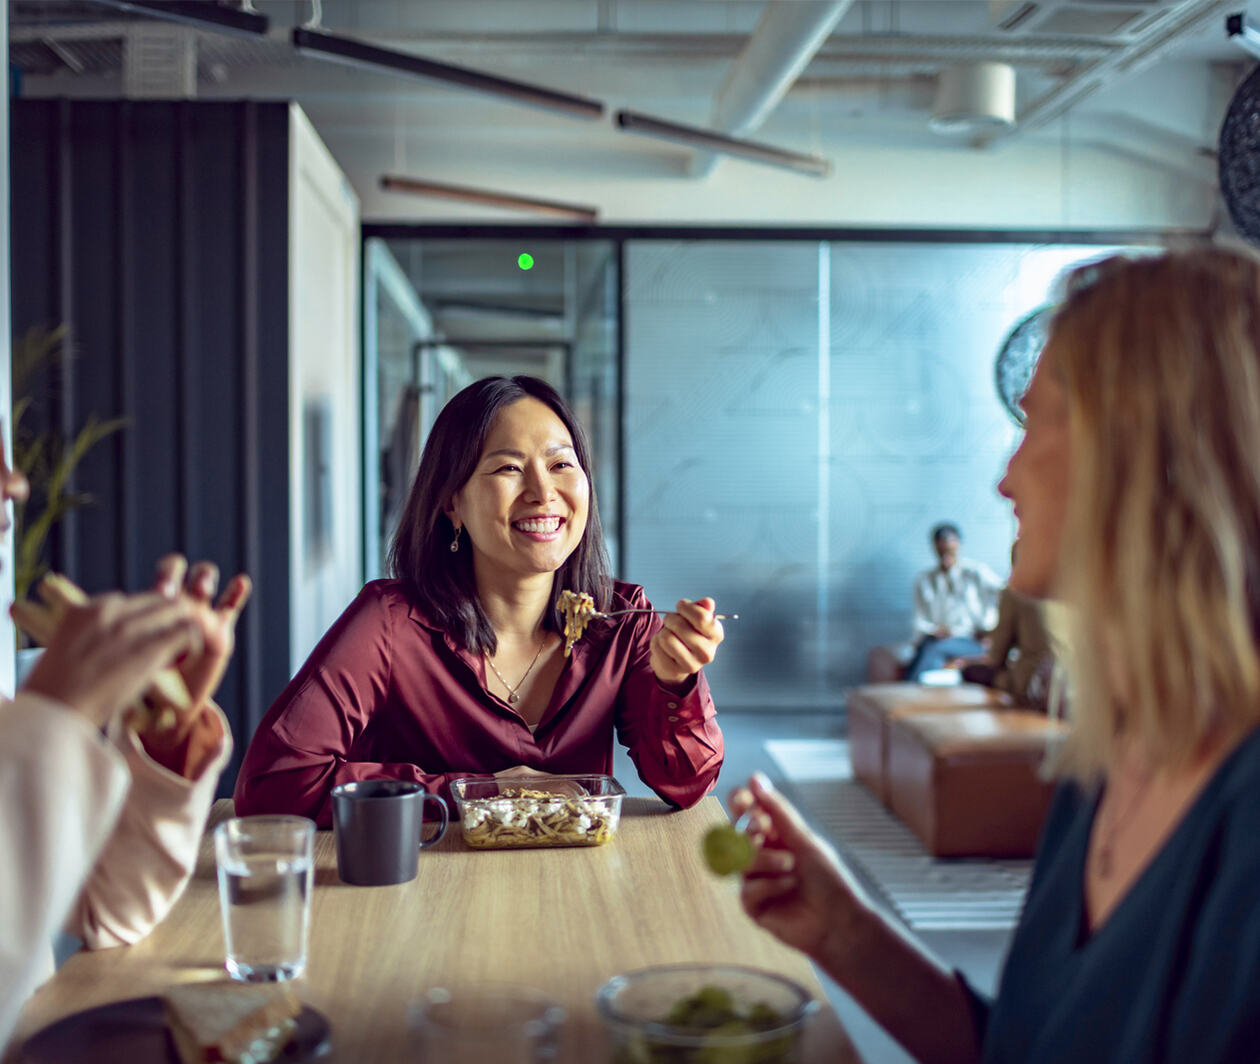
727,851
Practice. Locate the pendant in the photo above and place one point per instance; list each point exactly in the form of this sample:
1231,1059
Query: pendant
513,698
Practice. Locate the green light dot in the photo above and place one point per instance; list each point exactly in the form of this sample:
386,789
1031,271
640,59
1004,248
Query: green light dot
525,260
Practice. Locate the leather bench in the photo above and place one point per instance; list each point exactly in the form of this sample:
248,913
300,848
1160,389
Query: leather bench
872,707
969,783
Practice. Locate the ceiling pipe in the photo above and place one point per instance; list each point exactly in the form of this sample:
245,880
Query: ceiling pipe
1181,19
842,50
787,37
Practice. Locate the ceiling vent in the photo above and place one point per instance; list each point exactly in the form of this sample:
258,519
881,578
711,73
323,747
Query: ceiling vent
1078,18
160,62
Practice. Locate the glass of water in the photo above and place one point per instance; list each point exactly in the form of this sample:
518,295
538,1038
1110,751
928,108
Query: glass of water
266,869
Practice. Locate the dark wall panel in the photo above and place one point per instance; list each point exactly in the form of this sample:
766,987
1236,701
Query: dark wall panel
90,144
150,362
159,231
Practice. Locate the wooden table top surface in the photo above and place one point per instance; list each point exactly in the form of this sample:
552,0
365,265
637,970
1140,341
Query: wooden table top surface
560,920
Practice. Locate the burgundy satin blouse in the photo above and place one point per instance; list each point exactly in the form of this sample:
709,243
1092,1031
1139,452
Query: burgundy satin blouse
386,694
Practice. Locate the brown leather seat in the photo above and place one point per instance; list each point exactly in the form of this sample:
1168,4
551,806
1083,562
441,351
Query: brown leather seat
884,665
969,784
871,707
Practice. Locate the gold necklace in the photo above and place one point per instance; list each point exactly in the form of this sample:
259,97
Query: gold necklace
1107,835
513,697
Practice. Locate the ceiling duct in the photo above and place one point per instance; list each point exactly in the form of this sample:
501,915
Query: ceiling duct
974,98
786,38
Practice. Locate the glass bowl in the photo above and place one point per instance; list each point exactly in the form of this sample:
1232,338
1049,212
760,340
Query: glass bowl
516,812
703,1014
472,1023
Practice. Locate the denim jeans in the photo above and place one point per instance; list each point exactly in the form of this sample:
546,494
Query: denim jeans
933,653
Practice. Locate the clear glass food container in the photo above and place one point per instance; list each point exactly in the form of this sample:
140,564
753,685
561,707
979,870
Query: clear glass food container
516,812
703,1014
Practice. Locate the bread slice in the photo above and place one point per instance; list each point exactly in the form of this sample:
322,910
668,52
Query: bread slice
226,1021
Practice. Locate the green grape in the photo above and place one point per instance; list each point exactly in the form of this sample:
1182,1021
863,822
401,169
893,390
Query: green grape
717,1023
726,850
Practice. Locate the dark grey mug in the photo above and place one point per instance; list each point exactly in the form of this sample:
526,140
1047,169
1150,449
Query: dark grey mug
379,826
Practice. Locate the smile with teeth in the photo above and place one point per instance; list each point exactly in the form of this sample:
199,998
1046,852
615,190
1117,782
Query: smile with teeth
538,525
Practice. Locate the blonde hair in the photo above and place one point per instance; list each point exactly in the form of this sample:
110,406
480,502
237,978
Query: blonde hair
1160,359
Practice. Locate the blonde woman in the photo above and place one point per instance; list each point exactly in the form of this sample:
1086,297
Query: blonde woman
1137,491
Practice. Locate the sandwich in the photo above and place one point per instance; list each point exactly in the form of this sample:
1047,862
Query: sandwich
230,1022
40,620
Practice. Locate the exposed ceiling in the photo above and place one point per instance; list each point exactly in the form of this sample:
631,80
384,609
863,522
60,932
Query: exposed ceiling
865,71
869,72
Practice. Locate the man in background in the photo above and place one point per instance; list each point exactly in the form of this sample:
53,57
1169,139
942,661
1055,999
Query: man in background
955,604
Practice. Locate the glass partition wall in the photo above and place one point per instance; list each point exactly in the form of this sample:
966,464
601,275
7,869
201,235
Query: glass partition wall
439,314
776,423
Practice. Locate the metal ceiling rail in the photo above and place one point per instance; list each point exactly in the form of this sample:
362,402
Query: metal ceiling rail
509,201
359,53
204,16
708,140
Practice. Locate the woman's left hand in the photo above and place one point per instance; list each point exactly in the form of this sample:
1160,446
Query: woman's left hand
687,641
217,619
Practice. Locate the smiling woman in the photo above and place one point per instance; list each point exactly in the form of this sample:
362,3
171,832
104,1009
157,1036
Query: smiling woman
456,666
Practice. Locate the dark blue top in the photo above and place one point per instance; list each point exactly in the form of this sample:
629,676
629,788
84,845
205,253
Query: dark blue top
1173,974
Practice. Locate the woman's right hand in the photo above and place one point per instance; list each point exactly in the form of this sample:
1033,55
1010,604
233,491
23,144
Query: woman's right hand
798,890
796,887
105,654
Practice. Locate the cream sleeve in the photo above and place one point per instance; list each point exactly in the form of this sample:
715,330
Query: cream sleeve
62,787
152,852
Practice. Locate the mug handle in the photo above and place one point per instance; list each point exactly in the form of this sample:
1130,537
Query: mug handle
443,819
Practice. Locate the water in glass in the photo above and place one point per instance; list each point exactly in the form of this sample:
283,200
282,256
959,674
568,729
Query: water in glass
265,878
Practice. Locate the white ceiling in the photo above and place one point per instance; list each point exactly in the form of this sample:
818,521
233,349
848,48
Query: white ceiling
869,86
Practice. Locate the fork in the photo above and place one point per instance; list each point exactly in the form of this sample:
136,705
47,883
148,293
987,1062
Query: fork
597,614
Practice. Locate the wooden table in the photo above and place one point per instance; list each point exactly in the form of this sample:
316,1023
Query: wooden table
563,920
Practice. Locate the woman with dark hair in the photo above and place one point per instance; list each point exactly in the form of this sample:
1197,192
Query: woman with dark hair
457,667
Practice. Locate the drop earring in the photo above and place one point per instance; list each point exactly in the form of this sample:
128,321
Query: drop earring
455,541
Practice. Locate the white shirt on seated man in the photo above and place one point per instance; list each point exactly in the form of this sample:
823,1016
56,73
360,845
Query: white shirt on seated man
955,604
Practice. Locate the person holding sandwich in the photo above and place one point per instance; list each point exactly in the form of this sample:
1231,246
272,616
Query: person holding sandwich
104,808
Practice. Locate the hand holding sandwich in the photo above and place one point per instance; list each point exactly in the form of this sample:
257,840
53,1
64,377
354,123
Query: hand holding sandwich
202,666
169,646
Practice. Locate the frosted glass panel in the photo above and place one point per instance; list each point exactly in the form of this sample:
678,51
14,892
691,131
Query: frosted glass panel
809,517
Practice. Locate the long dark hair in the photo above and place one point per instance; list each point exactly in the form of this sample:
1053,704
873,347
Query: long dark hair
441,582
